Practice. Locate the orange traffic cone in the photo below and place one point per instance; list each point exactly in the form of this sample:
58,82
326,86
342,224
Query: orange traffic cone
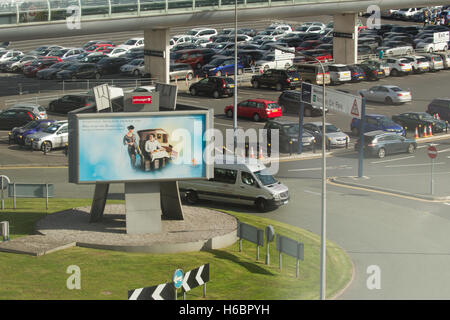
437,116
260,154
425,131
430,131
194,162
252,154
416,134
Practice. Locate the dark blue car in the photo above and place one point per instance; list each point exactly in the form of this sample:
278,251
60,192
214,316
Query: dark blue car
18,134
222,67
376,122
357,73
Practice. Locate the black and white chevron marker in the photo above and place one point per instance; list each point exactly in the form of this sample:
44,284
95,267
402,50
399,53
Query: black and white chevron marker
163,291
196,277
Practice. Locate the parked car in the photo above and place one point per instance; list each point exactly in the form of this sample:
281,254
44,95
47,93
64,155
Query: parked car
289,102
92,57
445,59
413,120
395,48
335,137
19,134
54,136
37,65
71,102
222,66
133,43
110,65
386,93
134,67
180,38
15,118
441,107
339,73
237,181
376,122
36,109
280,79
50,72
372,72
99,47
15,66
214,86
379,66
419,64
399,66
256,109
195,57
313,73
379,143
181,71
118,51
428,45
288,132
357,73
205,33
435,61
79,71
9,54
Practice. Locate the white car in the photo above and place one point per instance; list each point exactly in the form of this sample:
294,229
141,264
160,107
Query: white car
310,28
54,136
205,33
280,26
387,94
118,51
133,43
405,13
181,38
314,23
8,55
135,67
419,64
339,73
202,42
428,45
396,48
276,60
399,66
435,60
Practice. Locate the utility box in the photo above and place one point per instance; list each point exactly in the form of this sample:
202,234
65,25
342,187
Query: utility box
4,230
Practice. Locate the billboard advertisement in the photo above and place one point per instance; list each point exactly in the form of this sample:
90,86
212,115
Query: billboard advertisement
138,147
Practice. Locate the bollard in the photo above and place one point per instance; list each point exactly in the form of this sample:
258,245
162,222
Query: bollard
31,144
406,130
269,150
246,150
314,146
446,126
329,144
44,149
176,79
223,150
346,142
4,230
9,137
290,147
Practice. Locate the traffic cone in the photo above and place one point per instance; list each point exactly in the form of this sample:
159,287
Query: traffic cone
430,131
176,79
425,131
252,154
260,154
194,162
416,134
437,116
434,116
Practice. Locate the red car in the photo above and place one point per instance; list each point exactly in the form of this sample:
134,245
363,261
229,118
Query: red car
37,65
307,45
319,54
99,47
256,109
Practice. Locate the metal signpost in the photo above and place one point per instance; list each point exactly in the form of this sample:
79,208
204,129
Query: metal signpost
252,234
432,154
4,181
177,279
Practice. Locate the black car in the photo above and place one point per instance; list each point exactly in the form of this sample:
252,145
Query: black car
79,71
280,79
372,71
380,143
213,86
50,73
288,132
289,102
357,73
441,107
15,118
110,65
413,120
71,102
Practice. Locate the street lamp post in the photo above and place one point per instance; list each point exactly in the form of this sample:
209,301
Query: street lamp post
235,79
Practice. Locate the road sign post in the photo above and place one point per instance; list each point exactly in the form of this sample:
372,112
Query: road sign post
361,138
177,279
432,154
300,127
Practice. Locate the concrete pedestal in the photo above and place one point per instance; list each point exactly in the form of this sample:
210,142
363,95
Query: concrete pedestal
345,50
157,54
143,208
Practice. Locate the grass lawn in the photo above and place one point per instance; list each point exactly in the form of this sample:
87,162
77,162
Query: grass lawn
107,274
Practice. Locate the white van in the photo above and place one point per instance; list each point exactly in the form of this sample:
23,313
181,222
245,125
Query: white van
243,181
276,60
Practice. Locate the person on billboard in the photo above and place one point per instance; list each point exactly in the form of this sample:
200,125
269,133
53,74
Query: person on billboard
130,141
152,145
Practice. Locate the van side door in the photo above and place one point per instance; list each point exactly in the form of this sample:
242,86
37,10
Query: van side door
249,189
221,187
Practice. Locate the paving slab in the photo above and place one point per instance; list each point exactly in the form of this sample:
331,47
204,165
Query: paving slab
35,245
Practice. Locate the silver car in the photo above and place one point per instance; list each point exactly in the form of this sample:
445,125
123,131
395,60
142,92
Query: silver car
387,94
181,71
55,136
335,137
135,67
38,110
395,48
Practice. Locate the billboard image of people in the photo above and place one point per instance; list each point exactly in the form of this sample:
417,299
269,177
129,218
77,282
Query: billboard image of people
130,147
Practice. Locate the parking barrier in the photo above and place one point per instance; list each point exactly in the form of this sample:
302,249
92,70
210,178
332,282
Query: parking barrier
329,144
420,129
314,146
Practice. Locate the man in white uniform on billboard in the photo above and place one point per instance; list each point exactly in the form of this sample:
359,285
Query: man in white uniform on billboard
152,145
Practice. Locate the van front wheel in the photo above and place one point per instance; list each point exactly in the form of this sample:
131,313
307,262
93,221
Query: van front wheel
261,204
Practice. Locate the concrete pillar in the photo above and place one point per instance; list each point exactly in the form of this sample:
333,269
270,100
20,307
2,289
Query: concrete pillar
345,50
157,54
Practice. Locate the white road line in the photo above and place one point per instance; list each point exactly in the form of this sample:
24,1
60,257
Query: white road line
316,169
381,161
426,146
414,165
445,150
312,192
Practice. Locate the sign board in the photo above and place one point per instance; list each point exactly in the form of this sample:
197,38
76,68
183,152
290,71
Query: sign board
290,247
139,146
343,35
250,233
102,97
432,152
141,99
334,100
155,53
160,292
178,278
439,37
30,190
4,182
196,277
167,95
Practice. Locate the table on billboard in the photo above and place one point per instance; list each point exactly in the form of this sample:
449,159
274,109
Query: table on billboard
138,147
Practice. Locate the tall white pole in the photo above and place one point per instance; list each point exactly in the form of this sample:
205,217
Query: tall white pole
235,78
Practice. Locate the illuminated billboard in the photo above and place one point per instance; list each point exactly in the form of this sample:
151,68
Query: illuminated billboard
138,146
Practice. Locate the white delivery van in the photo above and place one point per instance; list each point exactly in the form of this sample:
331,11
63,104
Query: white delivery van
237,180
276,60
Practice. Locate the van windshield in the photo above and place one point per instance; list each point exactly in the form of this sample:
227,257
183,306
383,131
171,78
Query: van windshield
265,177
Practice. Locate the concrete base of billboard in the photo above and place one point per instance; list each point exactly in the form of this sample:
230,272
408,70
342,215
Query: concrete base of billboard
201,229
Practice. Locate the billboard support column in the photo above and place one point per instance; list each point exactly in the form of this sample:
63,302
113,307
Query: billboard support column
99,201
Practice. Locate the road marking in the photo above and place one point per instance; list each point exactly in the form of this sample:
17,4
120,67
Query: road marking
445,150
381,161
413,165
312,192
315,169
